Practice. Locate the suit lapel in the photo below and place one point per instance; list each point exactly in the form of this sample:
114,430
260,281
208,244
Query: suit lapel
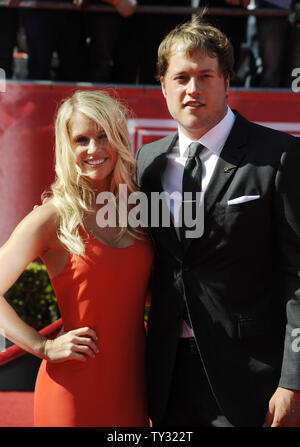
167,235
230,158
159,164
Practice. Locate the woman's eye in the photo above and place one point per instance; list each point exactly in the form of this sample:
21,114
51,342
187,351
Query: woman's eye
102,136
81,140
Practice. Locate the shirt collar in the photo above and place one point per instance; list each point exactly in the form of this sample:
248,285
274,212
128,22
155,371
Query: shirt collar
214,139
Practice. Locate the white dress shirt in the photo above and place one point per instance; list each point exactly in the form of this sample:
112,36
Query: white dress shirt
172,177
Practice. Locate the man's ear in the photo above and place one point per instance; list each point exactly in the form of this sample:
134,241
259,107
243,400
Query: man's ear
162,83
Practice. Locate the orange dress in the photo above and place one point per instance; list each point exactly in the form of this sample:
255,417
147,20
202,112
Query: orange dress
106,291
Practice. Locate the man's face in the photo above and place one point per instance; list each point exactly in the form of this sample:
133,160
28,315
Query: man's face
195,91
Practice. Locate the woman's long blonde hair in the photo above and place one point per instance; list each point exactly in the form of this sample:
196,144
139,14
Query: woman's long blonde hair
72,195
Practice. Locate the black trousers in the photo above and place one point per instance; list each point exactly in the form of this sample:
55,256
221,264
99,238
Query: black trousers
234,27
191,402
138,42
52,30
8,35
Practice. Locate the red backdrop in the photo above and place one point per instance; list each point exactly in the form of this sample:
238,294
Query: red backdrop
26,133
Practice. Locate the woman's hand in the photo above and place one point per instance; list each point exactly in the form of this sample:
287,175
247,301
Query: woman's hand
78,344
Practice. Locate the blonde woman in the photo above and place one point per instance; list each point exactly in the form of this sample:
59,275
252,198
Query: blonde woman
93,374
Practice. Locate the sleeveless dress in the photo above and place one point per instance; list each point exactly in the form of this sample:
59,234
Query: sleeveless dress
105,291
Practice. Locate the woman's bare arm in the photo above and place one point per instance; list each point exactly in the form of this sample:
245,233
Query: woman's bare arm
36,234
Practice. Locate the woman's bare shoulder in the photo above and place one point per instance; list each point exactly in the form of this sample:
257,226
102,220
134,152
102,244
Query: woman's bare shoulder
47,212
35,234
42,221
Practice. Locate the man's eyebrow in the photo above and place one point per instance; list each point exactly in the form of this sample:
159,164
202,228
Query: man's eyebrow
207,70
203,70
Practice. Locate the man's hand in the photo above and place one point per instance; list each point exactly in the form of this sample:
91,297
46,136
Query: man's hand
126,7
78,3
243,3
13,3
284,409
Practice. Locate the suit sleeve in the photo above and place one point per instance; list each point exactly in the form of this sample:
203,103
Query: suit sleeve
287,208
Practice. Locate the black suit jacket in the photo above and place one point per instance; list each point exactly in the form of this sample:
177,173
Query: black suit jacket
241,279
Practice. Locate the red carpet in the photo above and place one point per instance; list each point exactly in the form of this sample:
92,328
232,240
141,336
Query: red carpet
16,409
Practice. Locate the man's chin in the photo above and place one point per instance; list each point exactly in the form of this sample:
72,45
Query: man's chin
193,130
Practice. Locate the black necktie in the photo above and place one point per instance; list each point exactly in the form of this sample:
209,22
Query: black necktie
191,183
192,179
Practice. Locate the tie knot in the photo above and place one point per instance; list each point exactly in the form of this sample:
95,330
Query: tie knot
195,149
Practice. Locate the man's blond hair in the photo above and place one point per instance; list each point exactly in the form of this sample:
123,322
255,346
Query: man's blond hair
197,35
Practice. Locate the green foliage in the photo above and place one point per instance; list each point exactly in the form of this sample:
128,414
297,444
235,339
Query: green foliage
33,298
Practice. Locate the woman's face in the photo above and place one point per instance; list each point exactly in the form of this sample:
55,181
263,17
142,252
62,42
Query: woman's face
93,153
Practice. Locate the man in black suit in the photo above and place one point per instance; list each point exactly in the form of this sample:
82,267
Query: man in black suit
223,335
